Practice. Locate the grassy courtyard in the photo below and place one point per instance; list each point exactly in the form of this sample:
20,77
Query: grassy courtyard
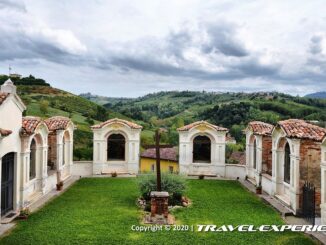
102,211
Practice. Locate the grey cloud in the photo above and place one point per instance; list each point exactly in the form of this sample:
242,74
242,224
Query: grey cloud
223,39
18,45
222,46
178,41
12,4
254,68
148,65
316,44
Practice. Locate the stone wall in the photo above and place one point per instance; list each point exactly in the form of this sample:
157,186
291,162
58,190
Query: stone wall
52,151
310,155
267,154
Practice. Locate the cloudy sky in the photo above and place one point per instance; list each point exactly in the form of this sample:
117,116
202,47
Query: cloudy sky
130,48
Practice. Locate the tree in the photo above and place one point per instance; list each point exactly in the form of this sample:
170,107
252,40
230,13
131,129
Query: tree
44,106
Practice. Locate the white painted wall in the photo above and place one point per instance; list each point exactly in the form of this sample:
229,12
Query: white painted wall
267,184
28,190
217,165
234,171
100,162
11,119
280,188
323,183
82,168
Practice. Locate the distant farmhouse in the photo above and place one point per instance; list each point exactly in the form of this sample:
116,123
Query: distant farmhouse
168,156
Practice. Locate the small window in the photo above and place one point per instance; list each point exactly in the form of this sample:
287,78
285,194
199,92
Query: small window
287,164
116,147
63,152
255,154
32,160
202,149
171,169
153,167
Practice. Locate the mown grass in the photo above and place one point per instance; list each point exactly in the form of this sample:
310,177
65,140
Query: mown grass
102,211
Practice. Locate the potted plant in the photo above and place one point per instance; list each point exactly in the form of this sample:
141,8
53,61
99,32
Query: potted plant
114,174
24,213
60,186
258,190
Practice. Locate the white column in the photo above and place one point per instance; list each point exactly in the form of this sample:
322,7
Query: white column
68,156
323,184
25,159
0,180
275,170
250,161
185,156
295,174
59,155
71,152
99,155
44,163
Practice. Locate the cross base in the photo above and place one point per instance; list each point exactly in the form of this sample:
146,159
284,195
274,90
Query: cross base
159,203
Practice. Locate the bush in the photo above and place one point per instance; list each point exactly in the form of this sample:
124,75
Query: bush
85,154
174,184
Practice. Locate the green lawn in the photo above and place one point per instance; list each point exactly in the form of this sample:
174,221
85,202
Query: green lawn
102,211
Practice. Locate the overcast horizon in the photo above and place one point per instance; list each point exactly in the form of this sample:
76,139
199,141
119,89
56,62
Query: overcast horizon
132,48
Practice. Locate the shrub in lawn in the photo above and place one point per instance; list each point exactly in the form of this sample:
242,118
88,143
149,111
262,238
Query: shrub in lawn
174,184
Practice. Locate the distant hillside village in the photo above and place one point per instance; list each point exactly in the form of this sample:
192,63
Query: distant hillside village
20,80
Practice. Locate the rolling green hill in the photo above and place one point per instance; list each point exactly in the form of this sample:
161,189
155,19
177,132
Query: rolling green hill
45,101
231,110
317,95
168,110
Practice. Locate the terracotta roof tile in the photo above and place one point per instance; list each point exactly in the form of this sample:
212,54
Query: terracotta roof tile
3,97
199,123
57,123
29,125
295,128
165,153
5,132
261,128
117,120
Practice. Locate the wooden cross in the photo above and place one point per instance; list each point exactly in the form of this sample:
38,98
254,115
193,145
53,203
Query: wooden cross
157,147
158,160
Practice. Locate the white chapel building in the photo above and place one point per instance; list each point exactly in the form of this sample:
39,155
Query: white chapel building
26,146
116,145
202,149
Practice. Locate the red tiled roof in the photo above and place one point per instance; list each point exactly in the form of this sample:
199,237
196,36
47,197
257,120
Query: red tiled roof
29,125
261,128
5,132
3,97
295,128
57,123
117,120
239,156
195,124
165,153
